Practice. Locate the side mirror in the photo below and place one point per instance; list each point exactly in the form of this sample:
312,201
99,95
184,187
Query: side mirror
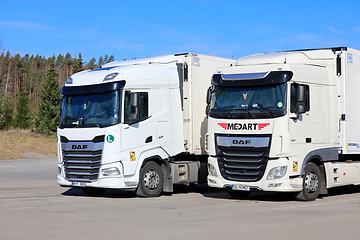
208,95
300,109
207,110
135,111
300,99
301,93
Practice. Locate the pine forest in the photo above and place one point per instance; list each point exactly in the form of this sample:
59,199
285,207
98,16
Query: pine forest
30,86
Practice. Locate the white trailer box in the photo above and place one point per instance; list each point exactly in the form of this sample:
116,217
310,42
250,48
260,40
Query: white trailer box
137,125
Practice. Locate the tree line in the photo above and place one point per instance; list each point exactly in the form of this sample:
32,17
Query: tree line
30,86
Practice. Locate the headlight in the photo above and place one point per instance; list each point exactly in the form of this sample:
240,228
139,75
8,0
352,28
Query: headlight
113,171
277,172
212,170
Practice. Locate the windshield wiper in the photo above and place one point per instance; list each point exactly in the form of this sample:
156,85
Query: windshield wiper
269,111
92,125
248,112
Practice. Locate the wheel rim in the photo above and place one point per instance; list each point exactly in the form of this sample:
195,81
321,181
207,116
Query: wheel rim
151,180
311,182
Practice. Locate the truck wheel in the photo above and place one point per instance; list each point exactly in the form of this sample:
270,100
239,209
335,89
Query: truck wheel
311,184
237,193
93,191
151,180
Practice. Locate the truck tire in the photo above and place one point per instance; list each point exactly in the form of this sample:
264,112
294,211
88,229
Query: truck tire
151,181
311,184
237,193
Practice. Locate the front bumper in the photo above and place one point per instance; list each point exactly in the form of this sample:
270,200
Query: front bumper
106,182
284,184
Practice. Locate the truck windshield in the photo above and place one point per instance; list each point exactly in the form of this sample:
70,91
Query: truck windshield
95,110
248,102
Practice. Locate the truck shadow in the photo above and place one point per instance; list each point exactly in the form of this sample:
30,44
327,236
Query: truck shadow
216,193
276,196
77,192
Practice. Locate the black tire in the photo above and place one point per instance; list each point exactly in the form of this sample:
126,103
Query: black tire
93,191
151,181
237,193
311,184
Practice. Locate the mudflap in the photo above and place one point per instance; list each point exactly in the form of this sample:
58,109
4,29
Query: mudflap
168,180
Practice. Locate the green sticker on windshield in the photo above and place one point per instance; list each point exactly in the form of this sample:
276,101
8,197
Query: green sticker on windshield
110,138
280,104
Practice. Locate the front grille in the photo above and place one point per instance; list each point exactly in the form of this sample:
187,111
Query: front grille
82,165
242,164
242,169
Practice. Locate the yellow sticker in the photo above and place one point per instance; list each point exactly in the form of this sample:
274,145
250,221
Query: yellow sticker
295,166
132,156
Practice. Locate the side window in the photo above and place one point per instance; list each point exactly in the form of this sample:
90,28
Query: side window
143,106
293,95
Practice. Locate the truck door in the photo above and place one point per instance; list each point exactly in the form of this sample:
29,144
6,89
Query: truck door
137,136
300,124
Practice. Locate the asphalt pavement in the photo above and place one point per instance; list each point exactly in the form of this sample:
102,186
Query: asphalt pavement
33,206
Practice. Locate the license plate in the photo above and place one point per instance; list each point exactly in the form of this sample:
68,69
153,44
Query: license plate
241,187
78,184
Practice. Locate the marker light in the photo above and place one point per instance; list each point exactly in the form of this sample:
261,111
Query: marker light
113,171
69,80
277,172
111,76
274,185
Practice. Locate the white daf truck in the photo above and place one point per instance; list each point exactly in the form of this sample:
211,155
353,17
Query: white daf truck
136,125
285,122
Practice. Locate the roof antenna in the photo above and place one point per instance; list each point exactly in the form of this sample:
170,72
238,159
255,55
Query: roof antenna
286,53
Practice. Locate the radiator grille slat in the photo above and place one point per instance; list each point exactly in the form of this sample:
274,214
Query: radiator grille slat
242,164
82,165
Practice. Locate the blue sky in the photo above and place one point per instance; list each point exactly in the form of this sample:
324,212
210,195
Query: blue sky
139,28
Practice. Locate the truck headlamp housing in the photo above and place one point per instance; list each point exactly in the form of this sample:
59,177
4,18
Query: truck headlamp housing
277,172
113,171
212,170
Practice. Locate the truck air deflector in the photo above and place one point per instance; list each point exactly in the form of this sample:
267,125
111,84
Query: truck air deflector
92,89
244,76
102,69
252,79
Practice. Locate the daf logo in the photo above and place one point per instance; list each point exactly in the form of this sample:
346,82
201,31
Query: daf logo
242,142
79,146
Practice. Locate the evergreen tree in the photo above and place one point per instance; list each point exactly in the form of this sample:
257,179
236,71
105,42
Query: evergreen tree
47,119
6,115
67,64
91,64
101,61
111,59
78,64
59,60
23,118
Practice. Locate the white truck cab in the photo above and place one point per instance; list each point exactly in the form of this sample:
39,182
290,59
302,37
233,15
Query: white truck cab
285,122
136,125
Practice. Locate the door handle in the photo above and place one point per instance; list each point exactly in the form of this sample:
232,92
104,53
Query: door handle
148,139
